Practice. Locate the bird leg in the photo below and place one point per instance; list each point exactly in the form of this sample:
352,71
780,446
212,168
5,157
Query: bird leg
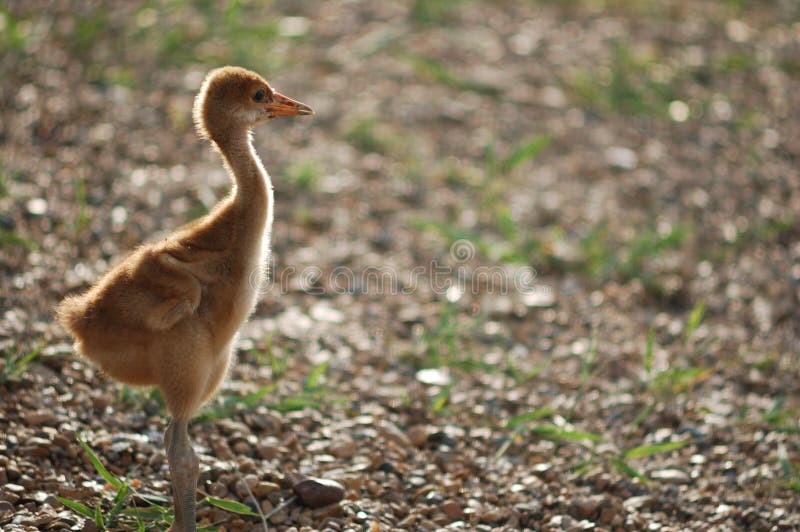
184,468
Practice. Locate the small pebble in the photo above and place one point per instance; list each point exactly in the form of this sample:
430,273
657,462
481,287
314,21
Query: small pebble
241,447
8,496
331,510
670,476
493,515
40,418
623,158
342,449
267,452
452,510
263,488
441,438
637,503
544,471
390,431
218,489
279,517
318,492
587,507
418,435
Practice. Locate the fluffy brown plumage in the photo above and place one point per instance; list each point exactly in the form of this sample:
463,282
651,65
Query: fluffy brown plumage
167,315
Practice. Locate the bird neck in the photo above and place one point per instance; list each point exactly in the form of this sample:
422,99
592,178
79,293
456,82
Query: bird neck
252,190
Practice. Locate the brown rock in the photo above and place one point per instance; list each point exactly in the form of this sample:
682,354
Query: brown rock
331,510
241,447
544,471
607,515
35,451
391,432
221,449
45,517
244,486
587,507
352,482
8,495
279,517
230,427
318,492
452,510
218,489
343,448
267,451
418,434
440,519
59,440
263,488
638,502
42,417
492,515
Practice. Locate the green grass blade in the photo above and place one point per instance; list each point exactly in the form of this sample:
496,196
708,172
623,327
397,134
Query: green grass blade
316,374
231,506
441,400
533,415
679,380
793,486
646,411
11,238
154,513
648,450
99,467
77,507
229,404
298,402
695,319
119,500
253,399
627,470
436,70
98,518
521,377
18,366
526,151
551,432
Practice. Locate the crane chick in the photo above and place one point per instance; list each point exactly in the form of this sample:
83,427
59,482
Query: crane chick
167,315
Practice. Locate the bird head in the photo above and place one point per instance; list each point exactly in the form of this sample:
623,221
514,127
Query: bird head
233,98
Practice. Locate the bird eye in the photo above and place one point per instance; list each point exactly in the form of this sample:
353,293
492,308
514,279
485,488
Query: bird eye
259,95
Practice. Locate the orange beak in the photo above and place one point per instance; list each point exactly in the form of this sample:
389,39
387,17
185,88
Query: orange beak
284,106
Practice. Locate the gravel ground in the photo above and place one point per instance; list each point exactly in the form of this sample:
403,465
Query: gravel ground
536,264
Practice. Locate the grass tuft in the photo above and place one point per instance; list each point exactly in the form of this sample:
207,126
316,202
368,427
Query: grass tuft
122,513
438,72
643,451
14,365
628,85
433,12
304,175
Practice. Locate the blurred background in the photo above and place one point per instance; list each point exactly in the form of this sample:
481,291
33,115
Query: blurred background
633,162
